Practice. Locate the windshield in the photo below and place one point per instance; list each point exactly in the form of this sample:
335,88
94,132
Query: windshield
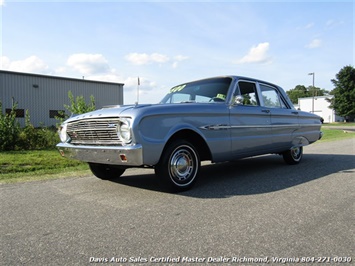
203,91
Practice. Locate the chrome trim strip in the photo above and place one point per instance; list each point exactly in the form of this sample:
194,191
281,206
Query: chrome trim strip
215,127
251,126
223,127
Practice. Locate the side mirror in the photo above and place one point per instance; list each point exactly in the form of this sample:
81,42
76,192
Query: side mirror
238,100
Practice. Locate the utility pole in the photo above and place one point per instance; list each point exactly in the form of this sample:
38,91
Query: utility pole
313,74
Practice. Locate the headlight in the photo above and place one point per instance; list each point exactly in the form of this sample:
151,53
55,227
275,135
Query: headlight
62,131
124,131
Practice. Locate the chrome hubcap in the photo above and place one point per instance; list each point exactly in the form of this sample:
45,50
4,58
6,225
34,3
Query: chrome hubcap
182,165
296,153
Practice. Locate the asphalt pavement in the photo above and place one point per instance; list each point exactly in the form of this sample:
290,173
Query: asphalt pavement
255,211
345,128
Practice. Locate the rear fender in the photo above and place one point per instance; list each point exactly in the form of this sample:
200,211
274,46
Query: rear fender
300,141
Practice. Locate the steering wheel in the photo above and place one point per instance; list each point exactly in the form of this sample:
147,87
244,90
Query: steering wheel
216,99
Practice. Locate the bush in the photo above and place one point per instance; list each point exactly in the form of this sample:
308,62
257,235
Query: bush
13,137
9,129
77,106
31,138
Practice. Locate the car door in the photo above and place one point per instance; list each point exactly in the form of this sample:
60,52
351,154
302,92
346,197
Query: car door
284,120
249,122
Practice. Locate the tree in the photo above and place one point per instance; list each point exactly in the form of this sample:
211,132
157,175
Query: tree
77,106
300,91
343,101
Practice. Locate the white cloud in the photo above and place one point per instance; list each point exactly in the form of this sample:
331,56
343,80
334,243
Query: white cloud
256,54
309,25
331,24
178,59
315,43
148,91
32,64
130,86
143,58
4,62
88,64
2,2
111,76
95,67
158,58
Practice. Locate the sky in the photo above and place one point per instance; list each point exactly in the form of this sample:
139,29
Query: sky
166,43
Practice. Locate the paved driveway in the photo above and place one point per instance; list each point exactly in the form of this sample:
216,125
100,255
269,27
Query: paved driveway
247,211
344,128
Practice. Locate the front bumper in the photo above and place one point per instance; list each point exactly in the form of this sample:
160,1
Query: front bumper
122,155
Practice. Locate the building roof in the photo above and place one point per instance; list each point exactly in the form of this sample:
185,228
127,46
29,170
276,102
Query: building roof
57,77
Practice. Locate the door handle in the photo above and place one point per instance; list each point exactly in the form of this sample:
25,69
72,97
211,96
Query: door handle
295,112
265,111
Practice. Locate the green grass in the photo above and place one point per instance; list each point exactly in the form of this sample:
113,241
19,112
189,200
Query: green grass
37,165
335,134
20,166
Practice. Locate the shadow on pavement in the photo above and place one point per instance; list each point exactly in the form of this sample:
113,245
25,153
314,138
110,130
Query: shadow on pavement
250,176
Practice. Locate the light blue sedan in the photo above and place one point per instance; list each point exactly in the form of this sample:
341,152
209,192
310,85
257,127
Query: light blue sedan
216,119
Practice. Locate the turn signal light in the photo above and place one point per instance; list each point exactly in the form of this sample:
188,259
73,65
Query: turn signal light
123,157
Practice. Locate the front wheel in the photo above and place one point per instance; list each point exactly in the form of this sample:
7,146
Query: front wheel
106,171
179,166
293,156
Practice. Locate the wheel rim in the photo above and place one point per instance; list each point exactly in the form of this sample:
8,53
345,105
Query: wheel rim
182,167
296,153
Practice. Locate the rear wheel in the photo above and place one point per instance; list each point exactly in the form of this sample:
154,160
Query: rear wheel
179,166
106,171
293,156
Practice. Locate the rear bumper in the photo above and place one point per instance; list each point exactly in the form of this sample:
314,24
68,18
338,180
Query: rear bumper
123,155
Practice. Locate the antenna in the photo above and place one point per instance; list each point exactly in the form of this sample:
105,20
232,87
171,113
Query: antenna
139,83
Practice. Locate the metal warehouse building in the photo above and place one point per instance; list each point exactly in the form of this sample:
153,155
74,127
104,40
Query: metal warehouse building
44,96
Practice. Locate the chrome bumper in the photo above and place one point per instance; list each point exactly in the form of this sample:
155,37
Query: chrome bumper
123,155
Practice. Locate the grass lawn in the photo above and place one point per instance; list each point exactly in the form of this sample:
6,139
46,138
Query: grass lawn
20,166
335,134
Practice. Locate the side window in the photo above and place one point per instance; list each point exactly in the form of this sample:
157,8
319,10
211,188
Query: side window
271,97
249,93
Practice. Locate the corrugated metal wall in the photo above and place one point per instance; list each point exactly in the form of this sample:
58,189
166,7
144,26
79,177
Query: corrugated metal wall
39,94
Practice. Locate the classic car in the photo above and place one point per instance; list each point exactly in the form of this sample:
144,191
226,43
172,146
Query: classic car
216,119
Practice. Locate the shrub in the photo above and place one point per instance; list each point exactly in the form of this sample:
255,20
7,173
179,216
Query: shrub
13,137
77,106
31,138
9,129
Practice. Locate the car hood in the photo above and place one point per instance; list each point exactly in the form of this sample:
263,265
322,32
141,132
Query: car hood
107,111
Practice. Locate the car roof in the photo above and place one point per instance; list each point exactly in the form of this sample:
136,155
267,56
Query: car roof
237,78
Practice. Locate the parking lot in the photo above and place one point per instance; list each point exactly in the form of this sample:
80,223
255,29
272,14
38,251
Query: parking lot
253,211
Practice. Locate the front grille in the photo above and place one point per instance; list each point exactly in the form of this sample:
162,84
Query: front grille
94,131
